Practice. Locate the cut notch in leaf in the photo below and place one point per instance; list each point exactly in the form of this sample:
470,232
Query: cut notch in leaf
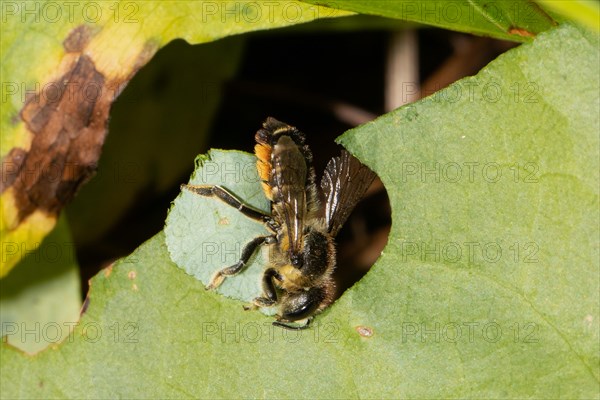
205,235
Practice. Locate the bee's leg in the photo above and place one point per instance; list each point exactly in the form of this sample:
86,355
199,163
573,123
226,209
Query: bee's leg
247,252
228,198
269,297
293,327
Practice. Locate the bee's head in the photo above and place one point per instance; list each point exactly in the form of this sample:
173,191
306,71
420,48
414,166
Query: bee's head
302,304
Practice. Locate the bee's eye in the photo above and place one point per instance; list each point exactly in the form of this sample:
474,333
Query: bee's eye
297,260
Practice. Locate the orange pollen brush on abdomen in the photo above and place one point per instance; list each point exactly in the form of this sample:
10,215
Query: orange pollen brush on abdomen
263,165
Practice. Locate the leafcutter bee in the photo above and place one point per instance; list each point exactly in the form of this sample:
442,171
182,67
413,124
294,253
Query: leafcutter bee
303,222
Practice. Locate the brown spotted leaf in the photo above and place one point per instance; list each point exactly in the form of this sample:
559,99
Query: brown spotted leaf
63,65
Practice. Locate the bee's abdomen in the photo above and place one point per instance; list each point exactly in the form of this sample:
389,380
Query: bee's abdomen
264,167
274,152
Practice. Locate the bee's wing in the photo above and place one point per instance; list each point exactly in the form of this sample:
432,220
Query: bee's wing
344,182
289,178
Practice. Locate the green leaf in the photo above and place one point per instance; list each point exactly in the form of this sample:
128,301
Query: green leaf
40,300
430,323
203,242
517,20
